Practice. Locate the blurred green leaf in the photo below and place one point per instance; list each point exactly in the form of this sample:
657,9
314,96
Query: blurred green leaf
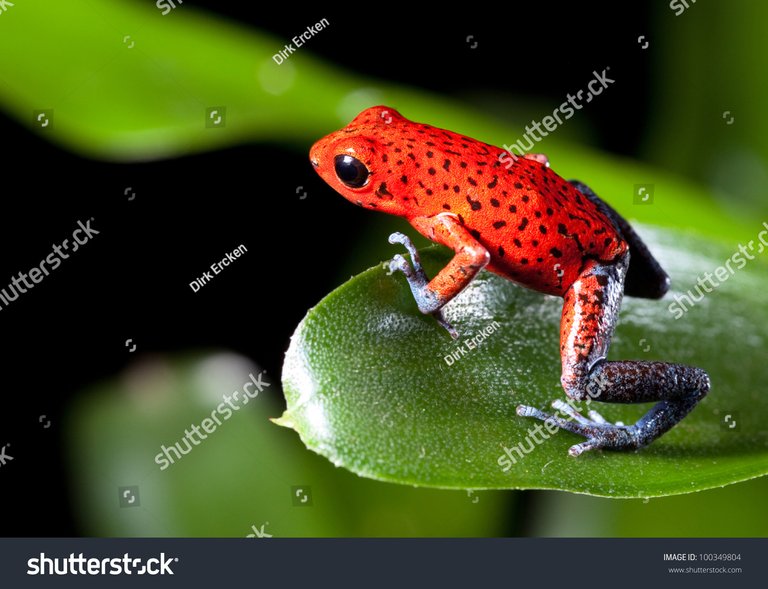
734,511
111,100
369,387
717,137
242,475
126,83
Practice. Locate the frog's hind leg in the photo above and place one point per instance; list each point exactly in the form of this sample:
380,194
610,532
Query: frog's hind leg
645,278
590,311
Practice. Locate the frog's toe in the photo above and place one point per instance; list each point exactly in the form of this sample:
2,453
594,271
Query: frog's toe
599,432
568,410
528,411
399,264
577,424
398,237
438,315
608,436
596,417
578,449
404,240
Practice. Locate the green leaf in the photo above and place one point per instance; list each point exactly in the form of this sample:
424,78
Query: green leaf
368,385
733,511
240,476
125,83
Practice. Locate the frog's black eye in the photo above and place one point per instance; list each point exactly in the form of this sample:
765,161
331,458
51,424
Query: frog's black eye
351,171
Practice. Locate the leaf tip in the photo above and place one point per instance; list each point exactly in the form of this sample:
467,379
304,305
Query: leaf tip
283,421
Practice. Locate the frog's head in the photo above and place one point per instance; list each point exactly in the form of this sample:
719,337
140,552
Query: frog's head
358,161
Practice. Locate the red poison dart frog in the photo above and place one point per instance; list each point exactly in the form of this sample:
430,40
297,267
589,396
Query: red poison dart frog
519,219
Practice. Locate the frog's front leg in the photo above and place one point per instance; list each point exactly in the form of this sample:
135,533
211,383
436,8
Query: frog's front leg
590,311
471,257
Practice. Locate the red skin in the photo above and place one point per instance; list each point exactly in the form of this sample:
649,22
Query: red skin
519,219
538,229
531,221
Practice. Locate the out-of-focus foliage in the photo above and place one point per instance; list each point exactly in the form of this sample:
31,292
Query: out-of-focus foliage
243,474
118,82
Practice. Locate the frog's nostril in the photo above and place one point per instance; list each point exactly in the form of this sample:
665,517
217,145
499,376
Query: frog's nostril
315,163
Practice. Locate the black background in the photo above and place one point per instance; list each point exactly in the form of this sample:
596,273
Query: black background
132,280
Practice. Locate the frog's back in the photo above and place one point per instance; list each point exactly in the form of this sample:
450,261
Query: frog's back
538,228
551,229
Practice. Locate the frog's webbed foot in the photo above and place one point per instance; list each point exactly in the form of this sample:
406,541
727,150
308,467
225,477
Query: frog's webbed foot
599,432
427,301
